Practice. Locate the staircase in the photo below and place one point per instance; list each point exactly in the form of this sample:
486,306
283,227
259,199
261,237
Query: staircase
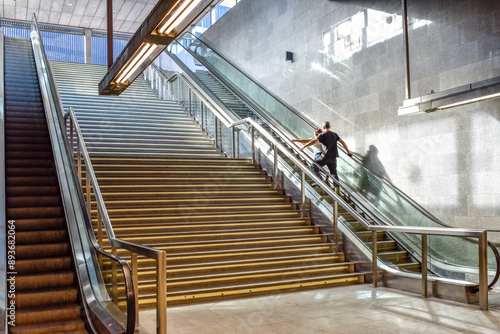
47,297
226,231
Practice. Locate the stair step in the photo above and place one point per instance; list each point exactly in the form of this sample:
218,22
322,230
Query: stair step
76,326
44,280
47,313
47,296
43,263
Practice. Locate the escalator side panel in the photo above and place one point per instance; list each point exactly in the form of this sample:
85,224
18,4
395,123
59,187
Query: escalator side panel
47,295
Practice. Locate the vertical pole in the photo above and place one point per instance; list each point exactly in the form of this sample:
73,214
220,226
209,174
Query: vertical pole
190,102
135,277
233,143
407,49
79,159
202,116
483,271
89,199
161,287
71,140
276,185
238,143
178,90
216,132
424,265
374,258
253,144
109,9
115,276
303,194
99,227
335,226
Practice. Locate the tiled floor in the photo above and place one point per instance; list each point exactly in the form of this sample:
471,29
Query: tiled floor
353,309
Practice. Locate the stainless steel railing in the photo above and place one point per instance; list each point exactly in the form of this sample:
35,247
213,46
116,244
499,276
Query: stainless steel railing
254,126
159,256
86,250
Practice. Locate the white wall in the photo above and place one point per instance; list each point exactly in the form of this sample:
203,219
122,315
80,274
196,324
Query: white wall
349,69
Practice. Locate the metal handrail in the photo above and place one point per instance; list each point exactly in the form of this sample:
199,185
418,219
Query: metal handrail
50,92
158,255
338,200
481,234
308,158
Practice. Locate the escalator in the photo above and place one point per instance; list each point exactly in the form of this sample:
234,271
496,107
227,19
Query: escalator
47,295
368,195
59,279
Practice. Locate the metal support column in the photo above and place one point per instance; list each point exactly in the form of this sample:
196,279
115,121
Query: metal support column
109,11
407,49
483,271
374,258
424,265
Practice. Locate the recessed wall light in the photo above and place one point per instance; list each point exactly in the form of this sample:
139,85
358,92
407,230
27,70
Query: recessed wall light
69,4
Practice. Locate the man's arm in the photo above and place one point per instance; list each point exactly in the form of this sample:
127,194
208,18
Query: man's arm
311,142
345,146
303,141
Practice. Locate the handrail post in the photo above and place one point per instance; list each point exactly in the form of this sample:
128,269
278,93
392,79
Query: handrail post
190,99
71,137
79,157
303,194
161,287
424,265
99,227
374,258
202,116
135,277
335,226
233,143
483,271
115,276
216,132
253,144
276,167
89,199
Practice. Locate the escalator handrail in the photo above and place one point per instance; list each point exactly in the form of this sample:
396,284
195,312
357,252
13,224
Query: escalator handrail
3,212
400,193
444,231
53,94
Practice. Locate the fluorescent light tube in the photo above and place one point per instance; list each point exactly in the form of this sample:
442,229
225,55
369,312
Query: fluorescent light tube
136,60
179,15
477,99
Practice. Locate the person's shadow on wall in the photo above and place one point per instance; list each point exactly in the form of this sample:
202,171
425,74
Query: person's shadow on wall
370,185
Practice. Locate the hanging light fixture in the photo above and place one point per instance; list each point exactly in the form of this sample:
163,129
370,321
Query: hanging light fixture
166,21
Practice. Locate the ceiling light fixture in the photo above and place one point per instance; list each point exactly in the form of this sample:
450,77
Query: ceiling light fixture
179,14
454,97
164,23
461,103
136,61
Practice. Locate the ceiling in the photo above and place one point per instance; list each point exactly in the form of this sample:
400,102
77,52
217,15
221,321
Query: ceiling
127,14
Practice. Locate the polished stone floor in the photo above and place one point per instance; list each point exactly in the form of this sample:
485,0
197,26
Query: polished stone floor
354,309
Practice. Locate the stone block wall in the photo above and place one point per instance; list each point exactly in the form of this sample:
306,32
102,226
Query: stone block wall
349,68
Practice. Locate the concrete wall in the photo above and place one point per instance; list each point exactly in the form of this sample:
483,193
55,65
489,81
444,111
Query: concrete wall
349,69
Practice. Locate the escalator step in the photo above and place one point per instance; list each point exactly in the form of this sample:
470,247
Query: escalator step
74,326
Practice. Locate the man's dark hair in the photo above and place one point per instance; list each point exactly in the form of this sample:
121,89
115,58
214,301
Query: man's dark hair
326,125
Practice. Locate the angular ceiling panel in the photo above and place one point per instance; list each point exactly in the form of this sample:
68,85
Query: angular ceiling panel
127,14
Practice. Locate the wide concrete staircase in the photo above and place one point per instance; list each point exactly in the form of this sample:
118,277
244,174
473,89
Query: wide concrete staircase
226,231
47,297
